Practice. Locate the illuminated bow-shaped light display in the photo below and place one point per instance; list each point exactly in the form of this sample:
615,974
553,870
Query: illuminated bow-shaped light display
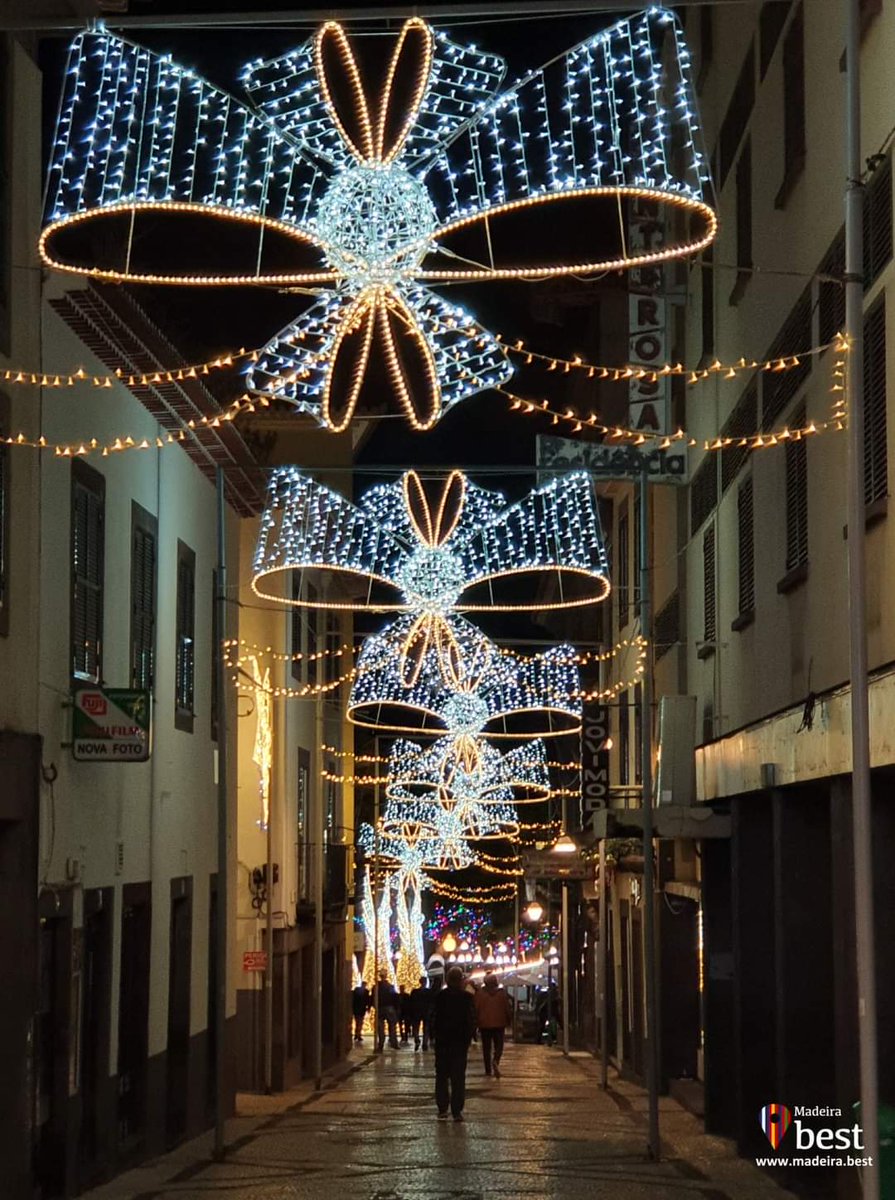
436,545
368,196
459,769
474,688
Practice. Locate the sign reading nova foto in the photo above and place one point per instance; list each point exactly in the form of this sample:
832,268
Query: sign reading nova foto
110,725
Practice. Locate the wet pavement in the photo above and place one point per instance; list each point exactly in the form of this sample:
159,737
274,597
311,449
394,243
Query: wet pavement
544,1131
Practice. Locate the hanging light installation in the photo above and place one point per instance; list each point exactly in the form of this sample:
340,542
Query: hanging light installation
467,767
469,687
436,549
368,195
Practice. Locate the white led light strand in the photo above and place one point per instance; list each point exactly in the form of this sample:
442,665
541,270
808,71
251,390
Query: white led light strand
434,546
370,193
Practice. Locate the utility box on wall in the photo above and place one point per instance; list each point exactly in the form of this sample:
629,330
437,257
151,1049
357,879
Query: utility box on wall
676,776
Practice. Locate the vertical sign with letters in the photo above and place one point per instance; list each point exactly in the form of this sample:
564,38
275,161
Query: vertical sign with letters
649,399
594,761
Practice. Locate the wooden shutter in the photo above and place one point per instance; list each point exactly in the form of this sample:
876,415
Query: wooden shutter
797,497
746,548
87,568
876,464
185,652
144,566
708,586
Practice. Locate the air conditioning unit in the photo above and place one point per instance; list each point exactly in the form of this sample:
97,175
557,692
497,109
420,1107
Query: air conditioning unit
676,775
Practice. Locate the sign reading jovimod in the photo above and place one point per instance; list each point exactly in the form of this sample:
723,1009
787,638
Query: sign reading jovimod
110,725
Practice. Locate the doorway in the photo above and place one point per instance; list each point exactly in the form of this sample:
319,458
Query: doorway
180,952
133,1017
96,988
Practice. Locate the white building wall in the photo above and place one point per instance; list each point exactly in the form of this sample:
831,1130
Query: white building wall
798,641
124,823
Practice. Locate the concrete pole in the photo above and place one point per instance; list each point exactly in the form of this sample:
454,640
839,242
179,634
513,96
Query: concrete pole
857,600
268,942
319,825
602,994
374,885
565,968
651,1026
222,900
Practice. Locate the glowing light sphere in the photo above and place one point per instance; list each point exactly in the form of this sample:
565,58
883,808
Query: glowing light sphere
376,222
370,189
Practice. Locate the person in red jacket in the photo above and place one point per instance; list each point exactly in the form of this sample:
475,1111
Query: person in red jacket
494,1013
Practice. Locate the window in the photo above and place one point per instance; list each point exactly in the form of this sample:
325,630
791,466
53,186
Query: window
331,804
746,549
296,616
635,564
742,423
706,41
876,473
624,739
313,647
88,514
4,516
710,628
831,291
667,625
624,567
797,498
638,734
6,92
770,25
215,652
301,824
744,221
737,116
703,491
185,644
878,222
332,643
144,571
793,106
779,387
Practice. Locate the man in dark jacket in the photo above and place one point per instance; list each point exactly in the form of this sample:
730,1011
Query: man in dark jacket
419,1005
361,1003
453,1027
387,1003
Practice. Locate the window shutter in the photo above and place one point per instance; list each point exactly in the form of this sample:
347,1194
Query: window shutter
797,497
746,547
878,222
742,423
876,466
708,585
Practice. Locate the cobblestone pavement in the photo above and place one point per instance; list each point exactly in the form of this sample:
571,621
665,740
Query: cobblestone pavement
544,1131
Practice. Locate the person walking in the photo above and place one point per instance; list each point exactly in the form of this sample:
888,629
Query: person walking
418,1006
494,1013
404,1012
453,1027
387,1002
435,986
361,1003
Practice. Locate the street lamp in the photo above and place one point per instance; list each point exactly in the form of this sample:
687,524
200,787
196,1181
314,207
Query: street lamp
534,911
564,845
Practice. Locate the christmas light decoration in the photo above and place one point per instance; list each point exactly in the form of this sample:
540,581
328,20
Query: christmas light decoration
435,546
262,752
371,193
472,690
466,768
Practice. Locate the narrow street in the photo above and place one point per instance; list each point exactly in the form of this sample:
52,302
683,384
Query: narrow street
543,1131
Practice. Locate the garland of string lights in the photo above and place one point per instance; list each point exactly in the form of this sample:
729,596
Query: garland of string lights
611,118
